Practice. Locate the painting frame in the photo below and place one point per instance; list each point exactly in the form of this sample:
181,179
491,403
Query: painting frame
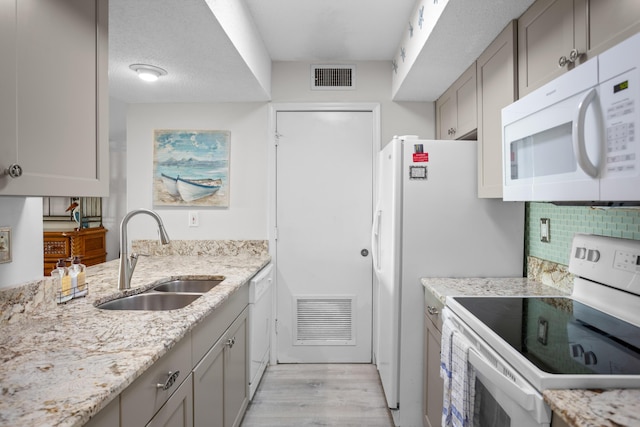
191,168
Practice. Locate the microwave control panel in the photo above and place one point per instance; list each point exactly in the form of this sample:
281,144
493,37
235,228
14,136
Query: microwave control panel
619,97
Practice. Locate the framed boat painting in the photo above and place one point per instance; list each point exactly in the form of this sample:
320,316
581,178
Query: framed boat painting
191,168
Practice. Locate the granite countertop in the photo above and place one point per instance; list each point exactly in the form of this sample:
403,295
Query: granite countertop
61,364
578,408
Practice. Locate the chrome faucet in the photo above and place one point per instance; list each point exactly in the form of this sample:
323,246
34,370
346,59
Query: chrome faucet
128,262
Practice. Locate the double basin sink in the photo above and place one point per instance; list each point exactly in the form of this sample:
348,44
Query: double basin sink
169,295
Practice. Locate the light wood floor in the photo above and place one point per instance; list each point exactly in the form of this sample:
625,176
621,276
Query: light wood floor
300,395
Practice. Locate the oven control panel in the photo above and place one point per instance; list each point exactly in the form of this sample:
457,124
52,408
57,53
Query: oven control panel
627,260
608,260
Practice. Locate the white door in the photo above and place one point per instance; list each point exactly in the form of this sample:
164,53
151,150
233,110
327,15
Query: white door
324,185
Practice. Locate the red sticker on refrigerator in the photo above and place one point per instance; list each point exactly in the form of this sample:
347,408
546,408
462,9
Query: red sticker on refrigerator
420,157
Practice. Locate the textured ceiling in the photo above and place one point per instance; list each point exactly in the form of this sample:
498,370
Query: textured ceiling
331,30
185,38
203,64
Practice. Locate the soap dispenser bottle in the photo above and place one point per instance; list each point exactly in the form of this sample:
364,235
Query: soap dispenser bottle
77,270
61,272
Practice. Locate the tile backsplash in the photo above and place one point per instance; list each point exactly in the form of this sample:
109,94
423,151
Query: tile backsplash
568,220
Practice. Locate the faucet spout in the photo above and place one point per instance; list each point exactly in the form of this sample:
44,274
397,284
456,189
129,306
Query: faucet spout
128,262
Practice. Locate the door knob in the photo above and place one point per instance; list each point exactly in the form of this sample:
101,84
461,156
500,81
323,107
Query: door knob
364,252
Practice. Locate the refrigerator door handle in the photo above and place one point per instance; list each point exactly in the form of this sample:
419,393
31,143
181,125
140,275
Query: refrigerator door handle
375,240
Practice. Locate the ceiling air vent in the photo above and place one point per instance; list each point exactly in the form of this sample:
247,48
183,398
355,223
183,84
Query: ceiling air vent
333,77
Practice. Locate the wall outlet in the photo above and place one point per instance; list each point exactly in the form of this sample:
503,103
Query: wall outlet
543,330
545,230
194,220
5,244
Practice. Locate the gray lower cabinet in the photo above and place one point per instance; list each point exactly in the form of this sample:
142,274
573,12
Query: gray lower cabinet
108,417
177,411
220,379
557,421
147,395
432,383
201,381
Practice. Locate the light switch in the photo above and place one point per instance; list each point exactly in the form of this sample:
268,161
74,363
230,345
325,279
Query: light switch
194,220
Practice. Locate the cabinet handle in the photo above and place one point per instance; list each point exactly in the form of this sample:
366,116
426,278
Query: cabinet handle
171,379
14,171
432,310
573,57
231,342
562,61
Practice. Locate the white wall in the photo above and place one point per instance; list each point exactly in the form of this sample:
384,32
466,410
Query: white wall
292,83
24,216
246,217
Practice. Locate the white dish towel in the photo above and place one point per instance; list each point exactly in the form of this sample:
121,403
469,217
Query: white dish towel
459,377
445,367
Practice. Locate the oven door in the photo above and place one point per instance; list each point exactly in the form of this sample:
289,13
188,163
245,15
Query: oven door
503,398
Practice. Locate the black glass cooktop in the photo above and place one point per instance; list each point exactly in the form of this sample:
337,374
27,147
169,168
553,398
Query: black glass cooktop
560,335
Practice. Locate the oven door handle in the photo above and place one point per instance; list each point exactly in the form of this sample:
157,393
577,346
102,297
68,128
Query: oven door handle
523,394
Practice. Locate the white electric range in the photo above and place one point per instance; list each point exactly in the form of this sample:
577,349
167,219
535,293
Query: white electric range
520,346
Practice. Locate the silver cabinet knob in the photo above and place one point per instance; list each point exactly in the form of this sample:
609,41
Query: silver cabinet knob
14,171
562,61
171,379
574,55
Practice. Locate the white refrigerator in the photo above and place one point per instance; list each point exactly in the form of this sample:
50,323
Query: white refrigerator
429,222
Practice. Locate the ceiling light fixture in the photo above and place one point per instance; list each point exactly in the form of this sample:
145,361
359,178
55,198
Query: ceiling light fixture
148,73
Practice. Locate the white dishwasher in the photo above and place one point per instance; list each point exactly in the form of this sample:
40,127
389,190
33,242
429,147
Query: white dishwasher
260,325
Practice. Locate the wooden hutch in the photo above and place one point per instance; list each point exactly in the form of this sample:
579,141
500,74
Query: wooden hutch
74,232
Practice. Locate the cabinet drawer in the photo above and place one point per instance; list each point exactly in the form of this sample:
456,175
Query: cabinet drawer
212,328
143,398
433,309
178,411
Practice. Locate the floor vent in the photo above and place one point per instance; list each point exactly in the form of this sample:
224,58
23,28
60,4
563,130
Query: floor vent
333,77
324,320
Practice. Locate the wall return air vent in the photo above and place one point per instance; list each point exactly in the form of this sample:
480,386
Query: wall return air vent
326,320
333,77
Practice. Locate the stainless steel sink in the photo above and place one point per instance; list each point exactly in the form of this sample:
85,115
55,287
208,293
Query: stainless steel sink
151,301
199,286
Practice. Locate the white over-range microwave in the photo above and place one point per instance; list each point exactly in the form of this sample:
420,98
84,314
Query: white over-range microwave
576,138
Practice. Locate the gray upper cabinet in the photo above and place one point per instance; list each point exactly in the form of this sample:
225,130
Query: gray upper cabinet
456,109
496,89
609,24
54,98
548,31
